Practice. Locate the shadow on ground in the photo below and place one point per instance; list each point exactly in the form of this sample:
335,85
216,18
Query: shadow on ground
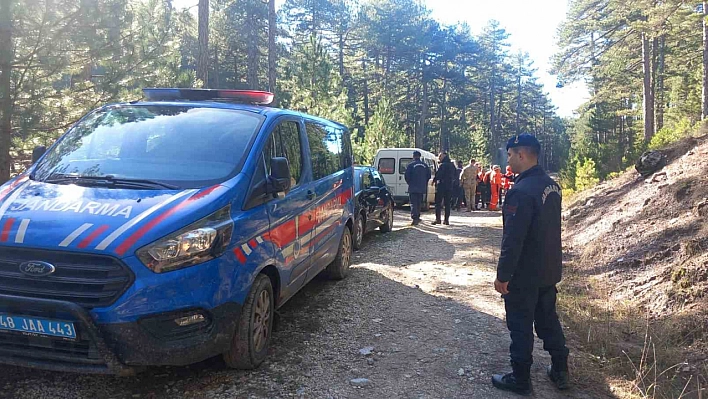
420,344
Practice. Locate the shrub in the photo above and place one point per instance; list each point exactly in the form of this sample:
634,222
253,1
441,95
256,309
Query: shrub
586,174
613,175
668,135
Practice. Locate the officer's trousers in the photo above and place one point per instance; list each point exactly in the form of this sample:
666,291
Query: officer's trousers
526,307
443,198
416,200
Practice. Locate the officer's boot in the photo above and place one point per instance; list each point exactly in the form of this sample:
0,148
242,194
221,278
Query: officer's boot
518,381
558,372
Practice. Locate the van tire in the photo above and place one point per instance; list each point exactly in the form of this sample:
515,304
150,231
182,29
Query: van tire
339,268
359,229
388,223
246,351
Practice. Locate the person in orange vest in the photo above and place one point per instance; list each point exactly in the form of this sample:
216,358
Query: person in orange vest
495,183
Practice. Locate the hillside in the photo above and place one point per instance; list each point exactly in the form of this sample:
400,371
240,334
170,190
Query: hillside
637,273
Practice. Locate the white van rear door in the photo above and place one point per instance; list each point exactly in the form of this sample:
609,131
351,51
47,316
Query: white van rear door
386,165
404,158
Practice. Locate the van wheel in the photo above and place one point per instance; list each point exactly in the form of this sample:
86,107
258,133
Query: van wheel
388,223
339,268
359,224
252,338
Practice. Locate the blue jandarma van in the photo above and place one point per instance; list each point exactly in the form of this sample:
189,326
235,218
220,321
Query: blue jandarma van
167,231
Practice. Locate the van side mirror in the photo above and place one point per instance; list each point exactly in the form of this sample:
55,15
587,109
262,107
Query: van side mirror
279,180
38,152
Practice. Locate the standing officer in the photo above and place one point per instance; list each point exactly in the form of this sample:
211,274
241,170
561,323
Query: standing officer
417,177
530,266
468,180
444,178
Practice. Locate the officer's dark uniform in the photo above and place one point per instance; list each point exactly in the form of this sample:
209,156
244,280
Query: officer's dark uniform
417,176
444,181
530,261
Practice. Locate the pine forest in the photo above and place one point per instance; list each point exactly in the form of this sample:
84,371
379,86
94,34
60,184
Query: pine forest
385,68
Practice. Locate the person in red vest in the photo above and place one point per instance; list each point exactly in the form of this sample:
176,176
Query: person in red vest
507,181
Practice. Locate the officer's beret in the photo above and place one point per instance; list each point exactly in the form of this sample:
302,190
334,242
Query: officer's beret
523,140
417,153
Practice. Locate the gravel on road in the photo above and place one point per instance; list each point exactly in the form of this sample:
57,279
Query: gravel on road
416,318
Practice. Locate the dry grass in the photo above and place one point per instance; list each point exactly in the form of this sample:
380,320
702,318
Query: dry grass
645,357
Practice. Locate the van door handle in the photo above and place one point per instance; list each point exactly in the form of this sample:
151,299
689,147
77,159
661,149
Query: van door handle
311,195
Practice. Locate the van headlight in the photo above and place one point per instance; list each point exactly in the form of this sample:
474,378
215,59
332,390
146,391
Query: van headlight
197,243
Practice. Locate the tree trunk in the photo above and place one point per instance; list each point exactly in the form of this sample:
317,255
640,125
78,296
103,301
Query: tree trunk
341,54
237,78
648,94
366,92
659,93
492,114
444,144
217,82
704,108
518,104
387,69
500,105
272,50
203,38
423,116
5,87
252,50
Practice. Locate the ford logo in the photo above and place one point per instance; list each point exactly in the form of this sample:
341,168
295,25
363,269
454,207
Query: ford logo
37,268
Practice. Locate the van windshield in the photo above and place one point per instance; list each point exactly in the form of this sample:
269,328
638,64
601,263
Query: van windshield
185,147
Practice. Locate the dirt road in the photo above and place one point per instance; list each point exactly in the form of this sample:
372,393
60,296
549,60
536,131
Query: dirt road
417,318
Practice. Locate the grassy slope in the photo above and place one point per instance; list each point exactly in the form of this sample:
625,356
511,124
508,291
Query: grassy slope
634,294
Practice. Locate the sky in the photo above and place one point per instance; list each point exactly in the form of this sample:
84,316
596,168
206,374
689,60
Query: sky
532,26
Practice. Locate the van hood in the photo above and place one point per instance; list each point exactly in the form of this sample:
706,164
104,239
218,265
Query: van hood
95,219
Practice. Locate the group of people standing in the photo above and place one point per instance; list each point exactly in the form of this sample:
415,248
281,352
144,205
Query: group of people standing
481,189
530,260
456,186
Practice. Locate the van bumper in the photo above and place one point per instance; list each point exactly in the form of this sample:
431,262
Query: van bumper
120,348
401,199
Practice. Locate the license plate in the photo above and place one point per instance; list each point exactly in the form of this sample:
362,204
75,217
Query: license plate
35,325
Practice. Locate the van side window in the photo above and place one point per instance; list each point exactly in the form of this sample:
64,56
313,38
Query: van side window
387,165
285,142
403,164
329,152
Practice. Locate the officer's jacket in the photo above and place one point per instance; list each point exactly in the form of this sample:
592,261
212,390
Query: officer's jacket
531,245
445,176
417,176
